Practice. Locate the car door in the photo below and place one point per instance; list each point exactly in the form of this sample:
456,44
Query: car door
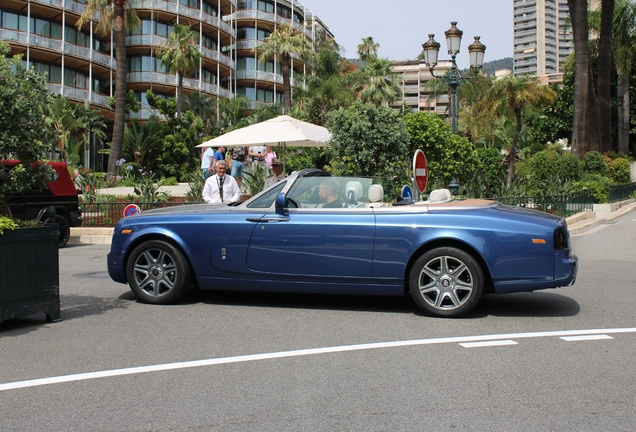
314,242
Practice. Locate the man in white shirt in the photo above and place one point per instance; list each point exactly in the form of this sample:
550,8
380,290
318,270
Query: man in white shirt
277,167
221,187
206,157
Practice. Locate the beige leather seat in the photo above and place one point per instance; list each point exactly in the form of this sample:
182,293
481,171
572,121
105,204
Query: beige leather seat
376,195
440,195
354,193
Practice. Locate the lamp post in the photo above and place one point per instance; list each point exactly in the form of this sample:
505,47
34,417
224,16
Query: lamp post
453,79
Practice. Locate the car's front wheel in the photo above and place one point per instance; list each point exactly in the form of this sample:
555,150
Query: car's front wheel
446,282
158,272
65,230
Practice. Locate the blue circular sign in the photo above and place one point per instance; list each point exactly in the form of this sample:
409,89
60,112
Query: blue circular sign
407,193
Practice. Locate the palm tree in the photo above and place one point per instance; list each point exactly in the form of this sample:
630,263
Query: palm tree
624,41
283,43
61,117
368,49
328,87
180,55
378,82
513,94
585,125
604,69
115,15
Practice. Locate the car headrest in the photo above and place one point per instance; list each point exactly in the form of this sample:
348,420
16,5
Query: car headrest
376,193
354,191
440,195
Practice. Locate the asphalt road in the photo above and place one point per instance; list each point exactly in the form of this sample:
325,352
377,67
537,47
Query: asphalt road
550,360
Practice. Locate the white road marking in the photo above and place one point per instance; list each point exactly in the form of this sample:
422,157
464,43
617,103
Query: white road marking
302,352
488,343
586,338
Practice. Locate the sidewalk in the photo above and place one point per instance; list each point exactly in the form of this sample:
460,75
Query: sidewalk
577,224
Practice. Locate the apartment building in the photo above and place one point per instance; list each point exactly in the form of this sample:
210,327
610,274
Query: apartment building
542,38
81,64
413,77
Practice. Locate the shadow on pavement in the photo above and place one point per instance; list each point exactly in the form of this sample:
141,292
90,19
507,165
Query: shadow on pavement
72,307
528,304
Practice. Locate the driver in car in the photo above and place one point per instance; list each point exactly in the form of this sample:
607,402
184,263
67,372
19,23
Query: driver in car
328,192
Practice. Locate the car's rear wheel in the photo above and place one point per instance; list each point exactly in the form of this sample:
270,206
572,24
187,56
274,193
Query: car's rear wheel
65,230
158,272
446,282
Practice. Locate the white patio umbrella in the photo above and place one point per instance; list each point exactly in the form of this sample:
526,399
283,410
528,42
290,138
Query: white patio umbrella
282,130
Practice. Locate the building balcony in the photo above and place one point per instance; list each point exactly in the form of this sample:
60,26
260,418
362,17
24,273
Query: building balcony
261,76
57,45
252,14
79,94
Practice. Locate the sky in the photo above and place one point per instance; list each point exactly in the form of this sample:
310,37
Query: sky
402,26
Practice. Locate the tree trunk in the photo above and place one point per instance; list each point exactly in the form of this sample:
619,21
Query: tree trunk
585,126
179,91
286,71
604,76
622,98
120,91
513,147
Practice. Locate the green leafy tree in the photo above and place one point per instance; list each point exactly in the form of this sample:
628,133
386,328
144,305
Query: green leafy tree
61,117
24,100
624,50
549,167
511,95
180,55
282,44
178,137
368,141
115,16
447,155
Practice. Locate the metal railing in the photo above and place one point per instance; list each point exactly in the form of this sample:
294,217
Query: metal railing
560,205
620,191
105,214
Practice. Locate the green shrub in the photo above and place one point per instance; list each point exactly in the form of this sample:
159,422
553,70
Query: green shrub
170,181
6,223
553,170
619,171
597,184
594,163
492,166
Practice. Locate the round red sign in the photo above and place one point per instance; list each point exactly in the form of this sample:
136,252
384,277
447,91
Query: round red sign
420,170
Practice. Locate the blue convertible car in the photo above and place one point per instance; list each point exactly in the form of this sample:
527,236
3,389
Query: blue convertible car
292,238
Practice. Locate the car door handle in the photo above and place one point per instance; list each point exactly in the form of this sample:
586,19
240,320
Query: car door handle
271,219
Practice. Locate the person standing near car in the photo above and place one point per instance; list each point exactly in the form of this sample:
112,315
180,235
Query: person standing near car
207,156
277,167
221,187
238,163
257,155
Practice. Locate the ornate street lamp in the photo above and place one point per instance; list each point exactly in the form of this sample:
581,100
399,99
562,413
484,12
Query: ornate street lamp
453,78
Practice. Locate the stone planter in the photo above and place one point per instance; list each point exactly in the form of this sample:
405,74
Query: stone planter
29,273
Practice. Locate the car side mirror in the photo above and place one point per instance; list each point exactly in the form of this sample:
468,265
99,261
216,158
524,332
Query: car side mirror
280,203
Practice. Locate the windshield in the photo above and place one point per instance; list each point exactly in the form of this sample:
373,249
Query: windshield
348,190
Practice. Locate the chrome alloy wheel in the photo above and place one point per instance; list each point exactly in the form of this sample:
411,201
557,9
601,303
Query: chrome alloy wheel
155,272
445,283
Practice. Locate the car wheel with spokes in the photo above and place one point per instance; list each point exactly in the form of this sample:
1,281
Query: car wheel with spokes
65,230
446,282
158,272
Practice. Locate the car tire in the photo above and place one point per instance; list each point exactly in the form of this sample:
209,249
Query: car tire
65,230
446,282
158,273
